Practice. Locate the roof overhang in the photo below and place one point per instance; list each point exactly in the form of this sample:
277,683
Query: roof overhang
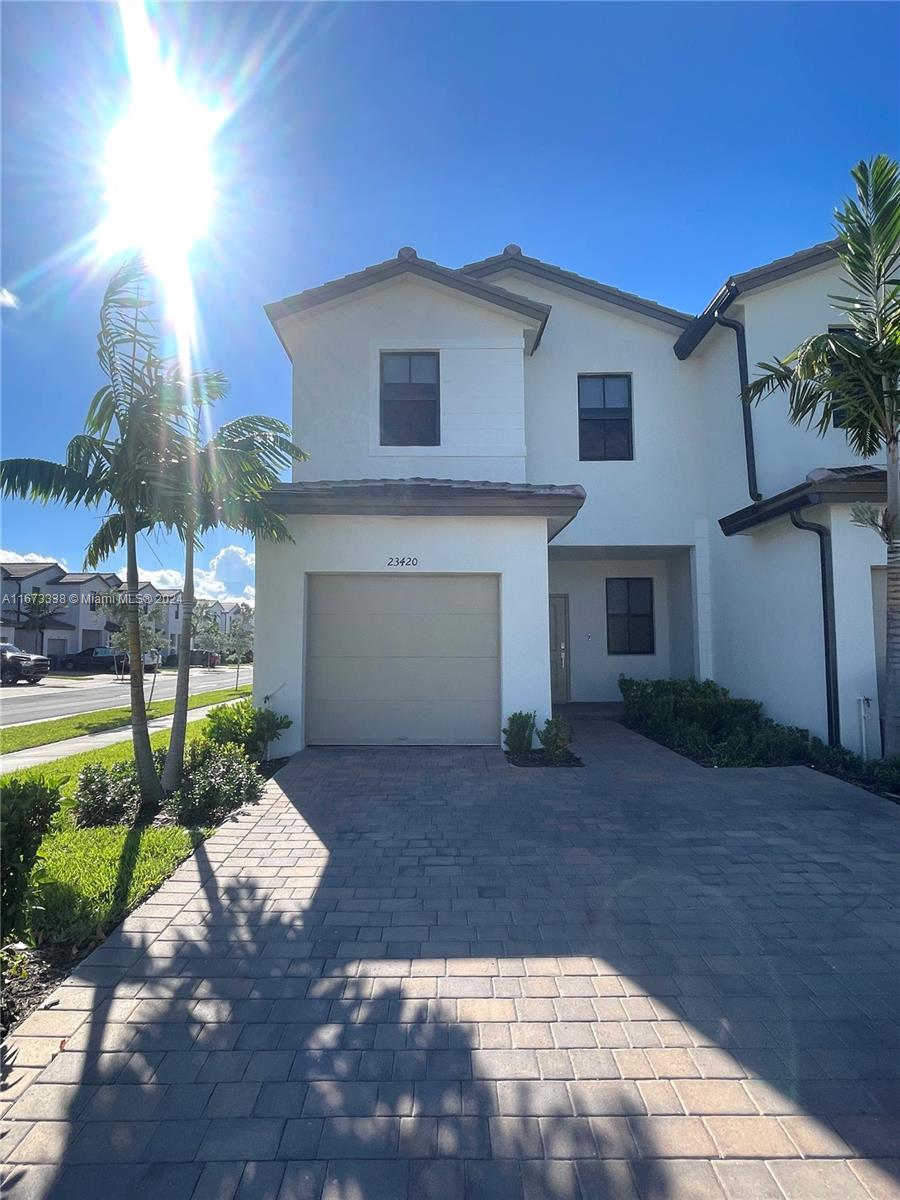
559,504
842,485
750,281
408,264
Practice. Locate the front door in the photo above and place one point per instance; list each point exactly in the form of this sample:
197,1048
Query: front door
559,649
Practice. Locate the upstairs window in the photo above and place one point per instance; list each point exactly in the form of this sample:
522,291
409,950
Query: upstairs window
604,418
410,399
629,616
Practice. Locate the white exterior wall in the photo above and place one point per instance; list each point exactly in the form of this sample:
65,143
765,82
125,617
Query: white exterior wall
777,319
857,552
336,351
769,642
653,499
513,548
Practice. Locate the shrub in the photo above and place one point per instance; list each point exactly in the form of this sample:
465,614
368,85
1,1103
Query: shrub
242,724
519,733
26,810
217,780
555,738
701,721
107,795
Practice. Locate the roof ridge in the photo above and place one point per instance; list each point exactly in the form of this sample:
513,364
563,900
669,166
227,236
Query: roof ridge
513,256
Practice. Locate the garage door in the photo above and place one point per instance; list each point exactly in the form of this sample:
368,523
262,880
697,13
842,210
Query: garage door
402,660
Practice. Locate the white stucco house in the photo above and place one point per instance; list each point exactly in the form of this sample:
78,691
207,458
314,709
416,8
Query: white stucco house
84,603
523,482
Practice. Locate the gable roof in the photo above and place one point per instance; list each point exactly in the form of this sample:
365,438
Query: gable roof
749,281
408,262
23,570
83,577
513,258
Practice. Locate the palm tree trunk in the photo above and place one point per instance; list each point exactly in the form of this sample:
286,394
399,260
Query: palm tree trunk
892,663
174,768
151,791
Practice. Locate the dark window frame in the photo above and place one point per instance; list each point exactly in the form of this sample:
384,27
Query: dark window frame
629,579
607,414
410,354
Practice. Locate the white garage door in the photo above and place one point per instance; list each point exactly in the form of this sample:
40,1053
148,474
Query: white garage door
402,660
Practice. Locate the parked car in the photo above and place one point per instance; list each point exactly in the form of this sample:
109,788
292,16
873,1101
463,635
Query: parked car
104,658
94,658
16,664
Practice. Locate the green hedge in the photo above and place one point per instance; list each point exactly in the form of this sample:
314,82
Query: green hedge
702,721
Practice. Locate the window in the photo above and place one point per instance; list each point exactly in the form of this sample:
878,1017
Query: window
604,417
629,616
410,400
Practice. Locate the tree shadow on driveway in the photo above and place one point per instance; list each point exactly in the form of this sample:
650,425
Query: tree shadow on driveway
426,973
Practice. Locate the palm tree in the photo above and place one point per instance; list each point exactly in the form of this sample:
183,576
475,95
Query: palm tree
226,485
128,458
39,614
220,482
853,374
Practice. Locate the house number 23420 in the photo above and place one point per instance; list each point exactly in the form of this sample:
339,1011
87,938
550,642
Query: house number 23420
397,561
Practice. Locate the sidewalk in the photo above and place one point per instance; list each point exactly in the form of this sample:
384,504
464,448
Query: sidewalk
37,756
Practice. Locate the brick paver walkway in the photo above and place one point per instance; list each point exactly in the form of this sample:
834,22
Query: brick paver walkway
423,973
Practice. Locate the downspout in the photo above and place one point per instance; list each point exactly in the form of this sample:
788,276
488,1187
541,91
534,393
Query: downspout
828,624
740,336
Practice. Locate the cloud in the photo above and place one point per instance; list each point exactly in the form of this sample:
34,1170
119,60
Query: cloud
7,299
229,576
12,556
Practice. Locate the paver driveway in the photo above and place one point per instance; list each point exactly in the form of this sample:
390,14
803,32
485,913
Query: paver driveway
424,973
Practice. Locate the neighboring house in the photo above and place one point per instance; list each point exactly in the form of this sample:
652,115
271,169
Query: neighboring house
523,483
171,599
85,609
225,612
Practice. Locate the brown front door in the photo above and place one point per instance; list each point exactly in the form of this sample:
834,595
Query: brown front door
559,649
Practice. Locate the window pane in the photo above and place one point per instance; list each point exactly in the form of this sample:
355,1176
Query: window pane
618,391
617,595
395,368
590,392
423,368
592,439
617,635
618,439
640,595
408,421
640,635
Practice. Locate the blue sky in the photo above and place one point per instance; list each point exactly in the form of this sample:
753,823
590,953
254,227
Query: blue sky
655,147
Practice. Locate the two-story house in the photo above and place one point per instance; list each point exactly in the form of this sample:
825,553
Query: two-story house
523,483
81,608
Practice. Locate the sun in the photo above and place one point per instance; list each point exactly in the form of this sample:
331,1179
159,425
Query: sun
159,180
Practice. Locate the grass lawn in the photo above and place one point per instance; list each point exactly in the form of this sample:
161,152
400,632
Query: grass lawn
89,879
93,877
42,733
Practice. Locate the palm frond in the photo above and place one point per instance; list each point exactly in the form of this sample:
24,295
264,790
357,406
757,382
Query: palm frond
43,481
108,538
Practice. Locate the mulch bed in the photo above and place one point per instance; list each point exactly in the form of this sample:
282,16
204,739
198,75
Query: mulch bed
44,969
538,758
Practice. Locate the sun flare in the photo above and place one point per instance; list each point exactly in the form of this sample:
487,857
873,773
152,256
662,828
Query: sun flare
158,172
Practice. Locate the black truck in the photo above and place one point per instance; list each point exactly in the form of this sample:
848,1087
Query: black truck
16,664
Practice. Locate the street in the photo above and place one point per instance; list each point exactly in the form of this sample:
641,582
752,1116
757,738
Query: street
61,696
